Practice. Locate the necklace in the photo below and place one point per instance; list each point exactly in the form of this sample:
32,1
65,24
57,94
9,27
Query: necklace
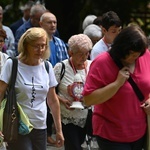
73,67
75,70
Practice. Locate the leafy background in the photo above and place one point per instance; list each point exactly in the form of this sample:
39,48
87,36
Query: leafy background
70,13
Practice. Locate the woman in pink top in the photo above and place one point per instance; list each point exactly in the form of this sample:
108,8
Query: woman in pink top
119,118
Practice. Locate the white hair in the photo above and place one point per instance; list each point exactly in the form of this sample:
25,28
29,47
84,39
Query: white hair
79,41
88,20
93,30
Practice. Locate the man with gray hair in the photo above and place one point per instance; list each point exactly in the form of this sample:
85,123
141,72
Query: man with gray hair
35,13
26,15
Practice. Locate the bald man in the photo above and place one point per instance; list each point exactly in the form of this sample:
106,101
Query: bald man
58,48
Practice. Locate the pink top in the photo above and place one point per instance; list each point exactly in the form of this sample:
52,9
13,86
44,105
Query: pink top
121,118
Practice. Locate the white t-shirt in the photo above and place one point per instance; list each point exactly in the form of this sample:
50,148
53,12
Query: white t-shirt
32,85
99,48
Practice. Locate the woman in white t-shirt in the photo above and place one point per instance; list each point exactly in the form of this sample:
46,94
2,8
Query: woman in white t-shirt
33,85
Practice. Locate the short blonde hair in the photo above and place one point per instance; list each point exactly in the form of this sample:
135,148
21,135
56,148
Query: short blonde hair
79,41
30,36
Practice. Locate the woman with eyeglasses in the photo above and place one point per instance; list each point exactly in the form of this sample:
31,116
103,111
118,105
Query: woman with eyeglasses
34,85
73,114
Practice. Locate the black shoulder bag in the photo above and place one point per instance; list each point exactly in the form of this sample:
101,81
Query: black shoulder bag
11,114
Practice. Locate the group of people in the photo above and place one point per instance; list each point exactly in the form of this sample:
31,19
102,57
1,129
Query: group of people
96,73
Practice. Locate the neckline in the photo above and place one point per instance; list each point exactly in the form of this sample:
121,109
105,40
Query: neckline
107,45
73,67
24,64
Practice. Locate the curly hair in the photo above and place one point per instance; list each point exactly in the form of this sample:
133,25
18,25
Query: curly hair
79,41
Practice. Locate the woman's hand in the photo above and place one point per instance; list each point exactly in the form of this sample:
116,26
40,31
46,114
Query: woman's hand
67,103
146,106
59,140
1,135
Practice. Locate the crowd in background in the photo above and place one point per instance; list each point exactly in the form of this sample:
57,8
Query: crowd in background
88,60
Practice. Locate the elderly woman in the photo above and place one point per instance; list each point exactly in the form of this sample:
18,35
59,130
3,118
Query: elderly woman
76,69
33,85
94,32
88,20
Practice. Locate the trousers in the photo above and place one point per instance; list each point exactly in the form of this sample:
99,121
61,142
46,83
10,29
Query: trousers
74,136
35,140
105,144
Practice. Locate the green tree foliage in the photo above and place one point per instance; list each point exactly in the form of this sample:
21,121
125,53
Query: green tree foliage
70,13
11,10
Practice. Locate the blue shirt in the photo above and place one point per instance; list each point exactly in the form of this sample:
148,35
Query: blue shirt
58,51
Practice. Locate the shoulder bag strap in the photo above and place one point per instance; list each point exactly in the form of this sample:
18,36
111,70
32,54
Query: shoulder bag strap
46,66
62,70
14,72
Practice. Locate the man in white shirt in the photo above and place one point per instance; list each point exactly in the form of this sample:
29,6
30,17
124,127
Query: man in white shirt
111,26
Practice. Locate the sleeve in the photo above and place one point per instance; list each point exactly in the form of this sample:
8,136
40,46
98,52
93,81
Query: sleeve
57,71
94,79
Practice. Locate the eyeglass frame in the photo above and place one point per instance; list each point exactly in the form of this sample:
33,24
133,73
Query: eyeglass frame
37,47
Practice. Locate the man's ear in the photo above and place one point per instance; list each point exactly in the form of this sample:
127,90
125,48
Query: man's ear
40,23
103,30
70,52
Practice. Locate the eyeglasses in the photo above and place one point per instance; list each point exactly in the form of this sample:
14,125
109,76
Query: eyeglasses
37,47
80,54
1,41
